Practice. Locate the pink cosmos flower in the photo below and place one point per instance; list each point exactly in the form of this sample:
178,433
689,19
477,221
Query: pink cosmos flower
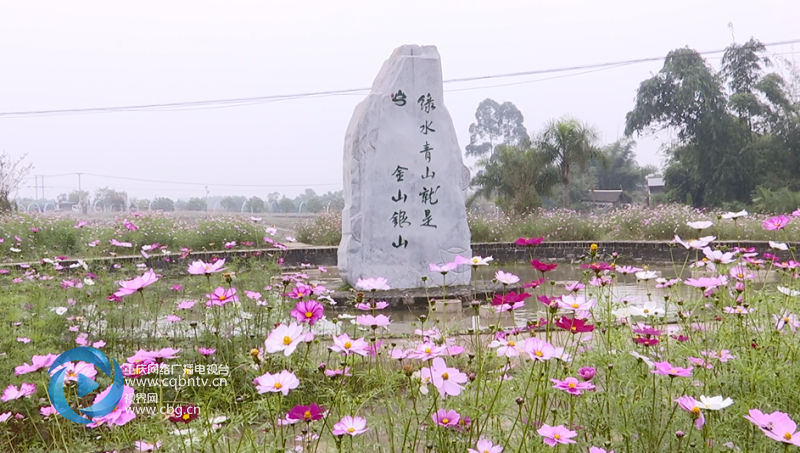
284,338
690,404
38,362
777,223
80,224
373,321
554,435
12,392
777,426
625,270
372,284
160,355
738,310
705,283
173,318
669,370
300,291
574,287
141,445
587,373
206,351
427,351
485,446
446,380
571,302
201,268
378,306
137,284
309,311
345,345
73,369
351,426
446,418
281,382
444,268
186,304
48,411
572,385
221,296
506,278
505,348
117,243
539,349
121,414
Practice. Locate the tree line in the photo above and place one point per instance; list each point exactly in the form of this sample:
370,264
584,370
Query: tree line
736,139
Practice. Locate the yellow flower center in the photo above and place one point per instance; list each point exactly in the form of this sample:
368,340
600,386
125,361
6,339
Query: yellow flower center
557,437
278,385
646,310
445,376
696,410
254,351
538,353
307,414
72,374
427,350
673,371
511,343
445,420
222,297
186,416
574,329
740,275
786,319
787,436
475,260
347,345
572,385
309,314
351,430
575,305
287,340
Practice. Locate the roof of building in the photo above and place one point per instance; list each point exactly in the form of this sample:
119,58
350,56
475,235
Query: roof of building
655,182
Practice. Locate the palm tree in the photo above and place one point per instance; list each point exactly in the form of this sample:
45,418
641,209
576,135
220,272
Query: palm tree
517,176
569,144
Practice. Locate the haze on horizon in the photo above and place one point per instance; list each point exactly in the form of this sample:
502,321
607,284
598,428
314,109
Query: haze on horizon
80,54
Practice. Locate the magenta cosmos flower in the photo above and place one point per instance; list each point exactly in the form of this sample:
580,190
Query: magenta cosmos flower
201,268
556,435
281,382
447,380
206,351
446,418
485,446
309,311
669,370
126,288
38,362
572,385
221,296
351,426
574,325
777,223
527,242
690,405
306,413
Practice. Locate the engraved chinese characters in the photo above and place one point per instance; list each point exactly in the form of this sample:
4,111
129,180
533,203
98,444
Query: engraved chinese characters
404,179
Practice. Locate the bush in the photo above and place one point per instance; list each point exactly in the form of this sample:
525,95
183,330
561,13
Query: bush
323,229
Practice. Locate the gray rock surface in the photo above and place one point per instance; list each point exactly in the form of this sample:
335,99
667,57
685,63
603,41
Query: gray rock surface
404,178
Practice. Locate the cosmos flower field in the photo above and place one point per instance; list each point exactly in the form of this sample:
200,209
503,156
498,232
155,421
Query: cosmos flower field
240,356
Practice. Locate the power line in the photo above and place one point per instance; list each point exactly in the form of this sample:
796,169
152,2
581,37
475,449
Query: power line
238,102
183,183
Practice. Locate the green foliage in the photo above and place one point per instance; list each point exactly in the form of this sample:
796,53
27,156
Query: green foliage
255,205
323,229
196,204
496,124
286,205
163,204
517,178
570,145
774,202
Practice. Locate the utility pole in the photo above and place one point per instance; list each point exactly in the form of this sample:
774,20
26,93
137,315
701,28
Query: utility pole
206,198
42,186
36,185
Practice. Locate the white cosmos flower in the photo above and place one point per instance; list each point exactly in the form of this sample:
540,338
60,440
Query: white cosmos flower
718,256
88,281
788,291
648,309
623,312
645,359
694,243
646,275
713,403
778,245
15,250
734,215
700,225
59,310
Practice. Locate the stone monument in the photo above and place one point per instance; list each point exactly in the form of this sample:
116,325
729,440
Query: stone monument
404,179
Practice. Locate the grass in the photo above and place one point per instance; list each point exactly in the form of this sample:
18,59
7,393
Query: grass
504,398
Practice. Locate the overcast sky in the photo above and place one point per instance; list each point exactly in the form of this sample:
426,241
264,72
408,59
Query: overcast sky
80,54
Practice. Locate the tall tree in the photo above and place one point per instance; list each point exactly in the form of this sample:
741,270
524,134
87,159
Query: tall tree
495,124
571,145
621,170
516,178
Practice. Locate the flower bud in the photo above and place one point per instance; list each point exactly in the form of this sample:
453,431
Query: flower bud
520,400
